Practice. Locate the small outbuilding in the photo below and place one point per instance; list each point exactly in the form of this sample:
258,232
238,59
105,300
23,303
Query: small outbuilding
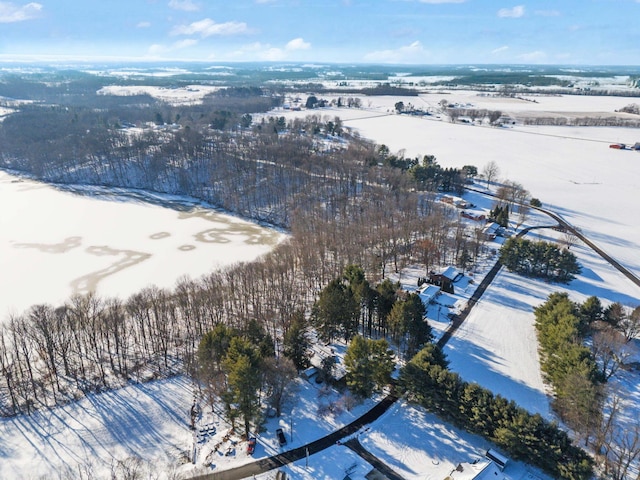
428,294
478,470
491,231
497,458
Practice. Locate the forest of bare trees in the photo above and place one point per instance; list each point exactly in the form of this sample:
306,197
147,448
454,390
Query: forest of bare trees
338,199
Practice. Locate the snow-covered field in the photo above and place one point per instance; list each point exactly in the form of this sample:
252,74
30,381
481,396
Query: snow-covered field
571,170
54,244
188,95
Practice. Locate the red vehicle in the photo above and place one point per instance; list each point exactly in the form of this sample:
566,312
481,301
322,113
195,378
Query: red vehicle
251,446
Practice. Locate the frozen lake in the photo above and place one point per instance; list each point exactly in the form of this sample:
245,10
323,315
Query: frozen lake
56,243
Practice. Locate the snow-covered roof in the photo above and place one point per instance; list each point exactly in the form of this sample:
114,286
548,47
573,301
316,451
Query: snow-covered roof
428,293
450,273
479,470
492,228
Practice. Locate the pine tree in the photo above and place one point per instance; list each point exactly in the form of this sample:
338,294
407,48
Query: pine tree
243,377
369,365
296,342
336,311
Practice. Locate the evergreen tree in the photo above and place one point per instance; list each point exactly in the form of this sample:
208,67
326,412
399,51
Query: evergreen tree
242,365
369,365
590,311
336,311
296,343
419,331
213,347
386,296
361,290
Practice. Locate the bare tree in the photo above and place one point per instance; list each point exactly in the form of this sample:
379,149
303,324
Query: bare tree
623,450
630,324
279,376
610,349
491,172
569,237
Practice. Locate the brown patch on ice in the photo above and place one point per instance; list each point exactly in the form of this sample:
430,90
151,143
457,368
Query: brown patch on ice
159,235
67,244
128,258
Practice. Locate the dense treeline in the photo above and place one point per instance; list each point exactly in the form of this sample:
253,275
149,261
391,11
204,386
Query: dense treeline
569,366
587,121
428,382
583,345
539,259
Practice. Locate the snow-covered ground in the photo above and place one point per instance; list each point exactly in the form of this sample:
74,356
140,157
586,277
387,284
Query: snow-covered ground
56,243
186,95
415,444
571,170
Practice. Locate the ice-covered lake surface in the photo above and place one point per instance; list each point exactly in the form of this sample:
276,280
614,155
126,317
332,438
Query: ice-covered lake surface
55,243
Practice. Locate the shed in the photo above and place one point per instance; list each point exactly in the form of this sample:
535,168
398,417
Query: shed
428,293
499,459
478,470
309,372
491,230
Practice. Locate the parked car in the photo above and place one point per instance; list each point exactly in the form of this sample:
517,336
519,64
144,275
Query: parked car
251,446
282,440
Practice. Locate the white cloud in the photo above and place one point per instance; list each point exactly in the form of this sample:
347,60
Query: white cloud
184,5
413,53
515,12
207,28
186,43
297,44
158,49
533,57
10,12
258,51
267,52
499,50
143,25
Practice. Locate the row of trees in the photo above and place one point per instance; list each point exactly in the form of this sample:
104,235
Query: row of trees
427,381
539,259
578,374
590,121
568,365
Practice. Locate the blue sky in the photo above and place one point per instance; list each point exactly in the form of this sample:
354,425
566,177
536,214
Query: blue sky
581,32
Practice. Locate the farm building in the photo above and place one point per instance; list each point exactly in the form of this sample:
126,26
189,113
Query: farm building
455,201
475,216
